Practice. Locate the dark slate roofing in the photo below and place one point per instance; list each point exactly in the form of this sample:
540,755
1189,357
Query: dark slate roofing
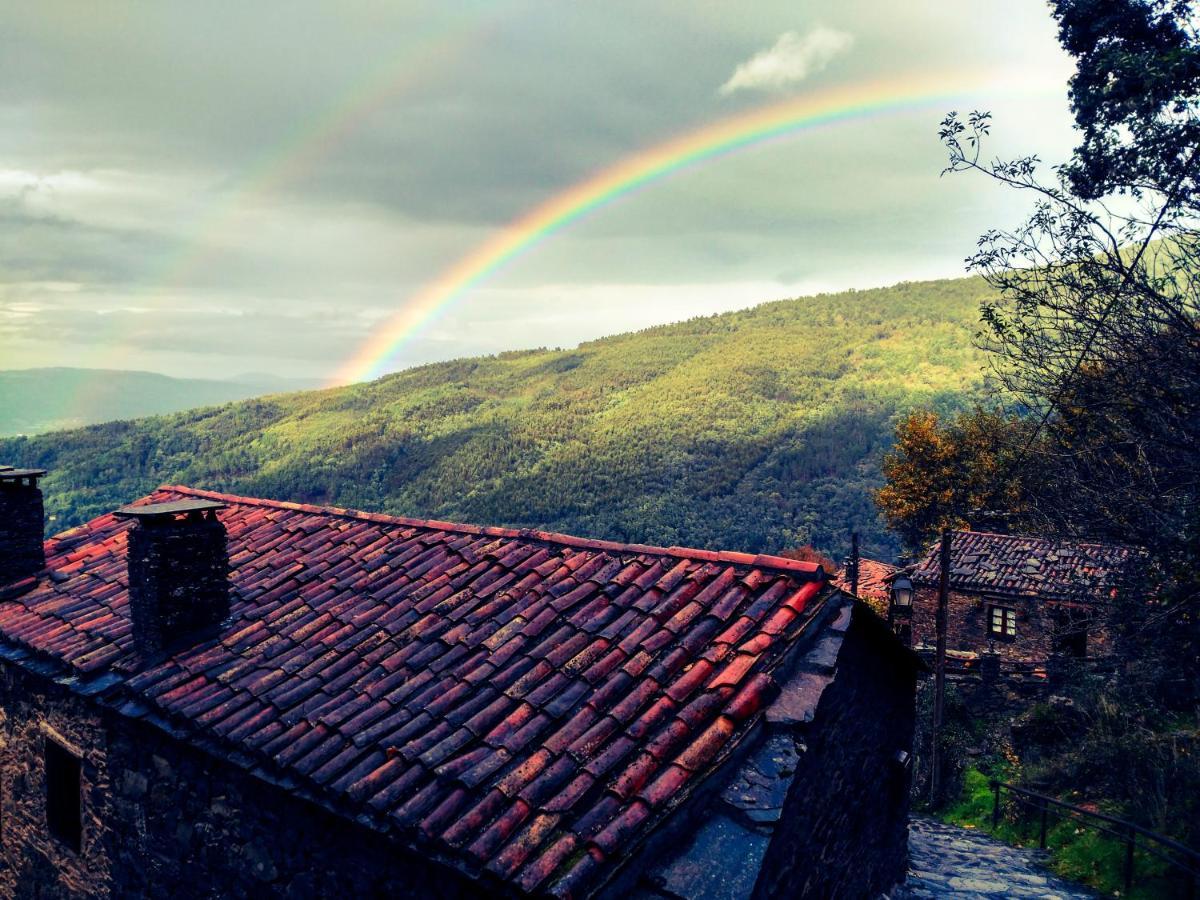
1017,565
874,581
523,706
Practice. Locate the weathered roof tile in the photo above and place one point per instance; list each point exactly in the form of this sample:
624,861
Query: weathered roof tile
1028,566
522,700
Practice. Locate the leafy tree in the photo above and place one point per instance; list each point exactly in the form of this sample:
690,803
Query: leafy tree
947,472
1093,346
809,553
1095,332
1133,96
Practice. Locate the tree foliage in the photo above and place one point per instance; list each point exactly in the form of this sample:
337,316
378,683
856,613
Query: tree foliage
1133,95
943,471
1093,345
809,553
1094,333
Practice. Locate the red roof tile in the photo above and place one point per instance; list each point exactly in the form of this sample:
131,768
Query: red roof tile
874,582
527,702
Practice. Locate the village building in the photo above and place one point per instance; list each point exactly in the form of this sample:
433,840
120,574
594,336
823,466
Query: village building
1023,601
871,582
208,695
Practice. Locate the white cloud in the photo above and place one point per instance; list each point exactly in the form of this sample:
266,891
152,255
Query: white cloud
792,59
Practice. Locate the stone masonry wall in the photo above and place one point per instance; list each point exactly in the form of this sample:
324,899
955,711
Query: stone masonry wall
162,820
850,798
36,864
186,813
967,625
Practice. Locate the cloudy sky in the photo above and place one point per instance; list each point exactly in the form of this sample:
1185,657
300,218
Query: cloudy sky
228,187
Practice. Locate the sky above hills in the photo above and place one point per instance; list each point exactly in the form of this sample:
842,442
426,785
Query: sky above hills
206,189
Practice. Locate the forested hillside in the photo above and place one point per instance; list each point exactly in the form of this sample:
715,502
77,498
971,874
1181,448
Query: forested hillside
755,430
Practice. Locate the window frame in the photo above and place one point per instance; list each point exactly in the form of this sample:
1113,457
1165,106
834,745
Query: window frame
1007,630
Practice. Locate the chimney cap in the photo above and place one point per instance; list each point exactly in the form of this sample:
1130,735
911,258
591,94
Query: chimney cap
159,511
8,473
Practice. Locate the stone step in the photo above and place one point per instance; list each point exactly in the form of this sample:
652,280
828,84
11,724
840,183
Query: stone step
948,861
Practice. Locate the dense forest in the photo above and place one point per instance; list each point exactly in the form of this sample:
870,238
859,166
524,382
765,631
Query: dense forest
756,430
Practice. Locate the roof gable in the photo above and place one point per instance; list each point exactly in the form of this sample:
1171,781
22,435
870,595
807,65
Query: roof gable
521,705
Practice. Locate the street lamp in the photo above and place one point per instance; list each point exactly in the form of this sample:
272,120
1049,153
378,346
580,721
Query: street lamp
902,592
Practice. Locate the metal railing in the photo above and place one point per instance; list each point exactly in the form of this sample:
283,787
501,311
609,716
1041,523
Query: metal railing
1170,851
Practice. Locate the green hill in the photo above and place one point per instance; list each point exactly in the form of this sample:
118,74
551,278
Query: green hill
753,430
37,400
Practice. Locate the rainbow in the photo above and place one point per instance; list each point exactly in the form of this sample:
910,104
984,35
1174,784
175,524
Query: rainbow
723,138
288,162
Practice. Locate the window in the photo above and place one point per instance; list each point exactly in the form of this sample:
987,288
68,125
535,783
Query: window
1002,623
63,807
1071,643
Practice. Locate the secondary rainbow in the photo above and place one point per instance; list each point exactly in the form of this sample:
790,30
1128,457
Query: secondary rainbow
727,136
421,56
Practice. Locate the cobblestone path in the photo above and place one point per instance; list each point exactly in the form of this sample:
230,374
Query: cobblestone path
945,861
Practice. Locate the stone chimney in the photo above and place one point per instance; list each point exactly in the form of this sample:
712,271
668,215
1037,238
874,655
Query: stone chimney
995,521
178,573
21,523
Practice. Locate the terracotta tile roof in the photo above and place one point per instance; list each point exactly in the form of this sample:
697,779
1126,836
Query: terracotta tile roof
874,580
1018,565
523,706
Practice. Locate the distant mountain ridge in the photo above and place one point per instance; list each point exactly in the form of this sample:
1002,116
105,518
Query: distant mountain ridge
49,399
755,430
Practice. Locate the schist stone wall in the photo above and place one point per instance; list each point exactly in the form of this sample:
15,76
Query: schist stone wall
849,799
163,820
35,863
1040,624
821,784
178,579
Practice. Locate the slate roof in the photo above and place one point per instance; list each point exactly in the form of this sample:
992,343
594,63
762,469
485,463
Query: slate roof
874,581
523,706
1017,565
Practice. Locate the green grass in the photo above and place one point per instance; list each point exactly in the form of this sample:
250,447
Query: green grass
973,808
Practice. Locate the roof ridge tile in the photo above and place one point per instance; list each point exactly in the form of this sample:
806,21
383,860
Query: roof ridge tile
759,560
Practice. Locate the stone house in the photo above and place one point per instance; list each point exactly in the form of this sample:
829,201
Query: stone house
204,695
1025,599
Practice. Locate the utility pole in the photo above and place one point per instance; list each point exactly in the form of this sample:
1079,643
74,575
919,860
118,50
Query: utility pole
939,667
853,573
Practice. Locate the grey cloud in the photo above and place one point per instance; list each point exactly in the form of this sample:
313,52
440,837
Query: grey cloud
287,154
